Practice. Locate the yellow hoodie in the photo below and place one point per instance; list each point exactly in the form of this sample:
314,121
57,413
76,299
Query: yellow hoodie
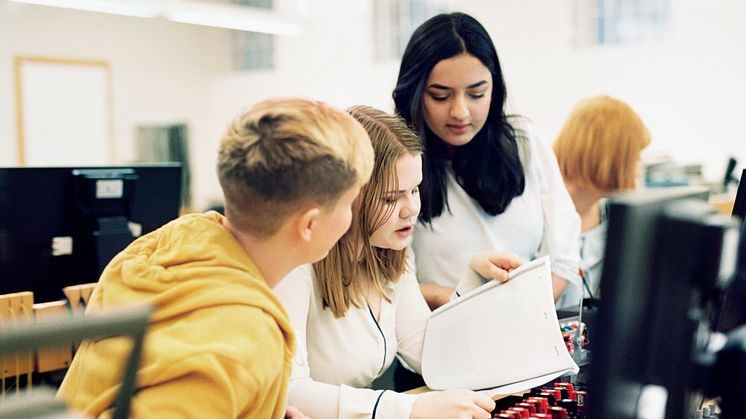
219,344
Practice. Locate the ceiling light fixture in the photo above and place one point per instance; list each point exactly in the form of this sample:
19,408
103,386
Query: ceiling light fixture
194,12
125,8
230,17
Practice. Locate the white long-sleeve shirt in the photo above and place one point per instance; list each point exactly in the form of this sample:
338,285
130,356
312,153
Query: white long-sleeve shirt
541,221
592,247
336,358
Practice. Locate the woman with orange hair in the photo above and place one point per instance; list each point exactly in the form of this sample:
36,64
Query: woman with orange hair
598,150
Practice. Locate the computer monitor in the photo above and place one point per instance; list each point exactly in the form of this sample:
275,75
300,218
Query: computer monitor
739,206
60,226
662,254
732,310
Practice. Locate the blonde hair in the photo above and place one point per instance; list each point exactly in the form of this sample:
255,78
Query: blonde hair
600,144
284,154
353,255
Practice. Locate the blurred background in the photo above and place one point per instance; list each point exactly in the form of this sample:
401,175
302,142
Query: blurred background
115,82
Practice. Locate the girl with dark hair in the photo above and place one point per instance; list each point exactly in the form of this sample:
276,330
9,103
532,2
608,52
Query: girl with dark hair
488,184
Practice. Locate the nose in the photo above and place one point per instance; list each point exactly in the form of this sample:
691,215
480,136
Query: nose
459,110
411,207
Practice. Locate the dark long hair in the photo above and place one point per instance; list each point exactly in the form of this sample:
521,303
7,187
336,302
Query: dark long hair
488,167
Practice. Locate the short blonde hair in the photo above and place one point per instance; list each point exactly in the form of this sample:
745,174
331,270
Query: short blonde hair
284,154
353,255
600,144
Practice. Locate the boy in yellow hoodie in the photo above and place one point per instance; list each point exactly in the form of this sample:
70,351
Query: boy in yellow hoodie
220,344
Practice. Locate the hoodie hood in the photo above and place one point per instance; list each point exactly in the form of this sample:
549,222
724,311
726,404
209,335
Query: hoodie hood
177,271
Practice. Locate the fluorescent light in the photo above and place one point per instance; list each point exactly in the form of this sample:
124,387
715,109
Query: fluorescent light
126,8
185,11
231,17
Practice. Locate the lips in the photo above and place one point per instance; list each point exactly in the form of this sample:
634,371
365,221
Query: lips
405,231
458,129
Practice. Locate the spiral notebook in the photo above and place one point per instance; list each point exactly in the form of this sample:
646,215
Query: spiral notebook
499,337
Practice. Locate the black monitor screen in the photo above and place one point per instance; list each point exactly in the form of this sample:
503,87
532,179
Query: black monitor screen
631,282
732,311
59,226
739,206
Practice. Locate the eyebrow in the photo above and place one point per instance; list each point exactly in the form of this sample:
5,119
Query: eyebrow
394,193
471,86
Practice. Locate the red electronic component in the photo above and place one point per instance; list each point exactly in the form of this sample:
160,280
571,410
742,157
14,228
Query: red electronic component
550,397
556,400
558,412
542,404
570,389
523,412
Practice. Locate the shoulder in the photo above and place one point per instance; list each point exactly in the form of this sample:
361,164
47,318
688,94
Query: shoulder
296,286
258,355
302,276
303,273
604,207
525,137
229,335
533,147
263,340
253,322
264,332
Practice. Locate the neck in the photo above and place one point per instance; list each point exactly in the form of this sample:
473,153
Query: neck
586,202
270,255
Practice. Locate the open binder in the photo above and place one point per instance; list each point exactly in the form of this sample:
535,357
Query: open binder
501,337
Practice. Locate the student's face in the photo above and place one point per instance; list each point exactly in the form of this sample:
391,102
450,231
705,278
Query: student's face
396,232
333,223
457,98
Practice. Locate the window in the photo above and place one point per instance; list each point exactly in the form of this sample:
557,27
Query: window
614,22
262,4
395,20
252,50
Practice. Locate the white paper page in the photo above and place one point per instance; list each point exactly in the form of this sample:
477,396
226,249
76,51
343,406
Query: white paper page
503,337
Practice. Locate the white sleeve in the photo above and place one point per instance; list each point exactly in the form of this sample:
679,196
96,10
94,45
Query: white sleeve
412,315
320,400
561,221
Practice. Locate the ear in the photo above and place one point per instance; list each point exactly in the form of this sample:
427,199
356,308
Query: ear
307,222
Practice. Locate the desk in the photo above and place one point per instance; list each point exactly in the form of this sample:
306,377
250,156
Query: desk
522,402
722,203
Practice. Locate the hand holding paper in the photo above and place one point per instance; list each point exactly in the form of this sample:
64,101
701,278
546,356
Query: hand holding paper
500,336
495,265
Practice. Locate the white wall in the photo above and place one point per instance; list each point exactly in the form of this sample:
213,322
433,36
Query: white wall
159,69
690,89
332,61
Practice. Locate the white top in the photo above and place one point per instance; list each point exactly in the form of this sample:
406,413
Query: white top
592,247
336,358
541,221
